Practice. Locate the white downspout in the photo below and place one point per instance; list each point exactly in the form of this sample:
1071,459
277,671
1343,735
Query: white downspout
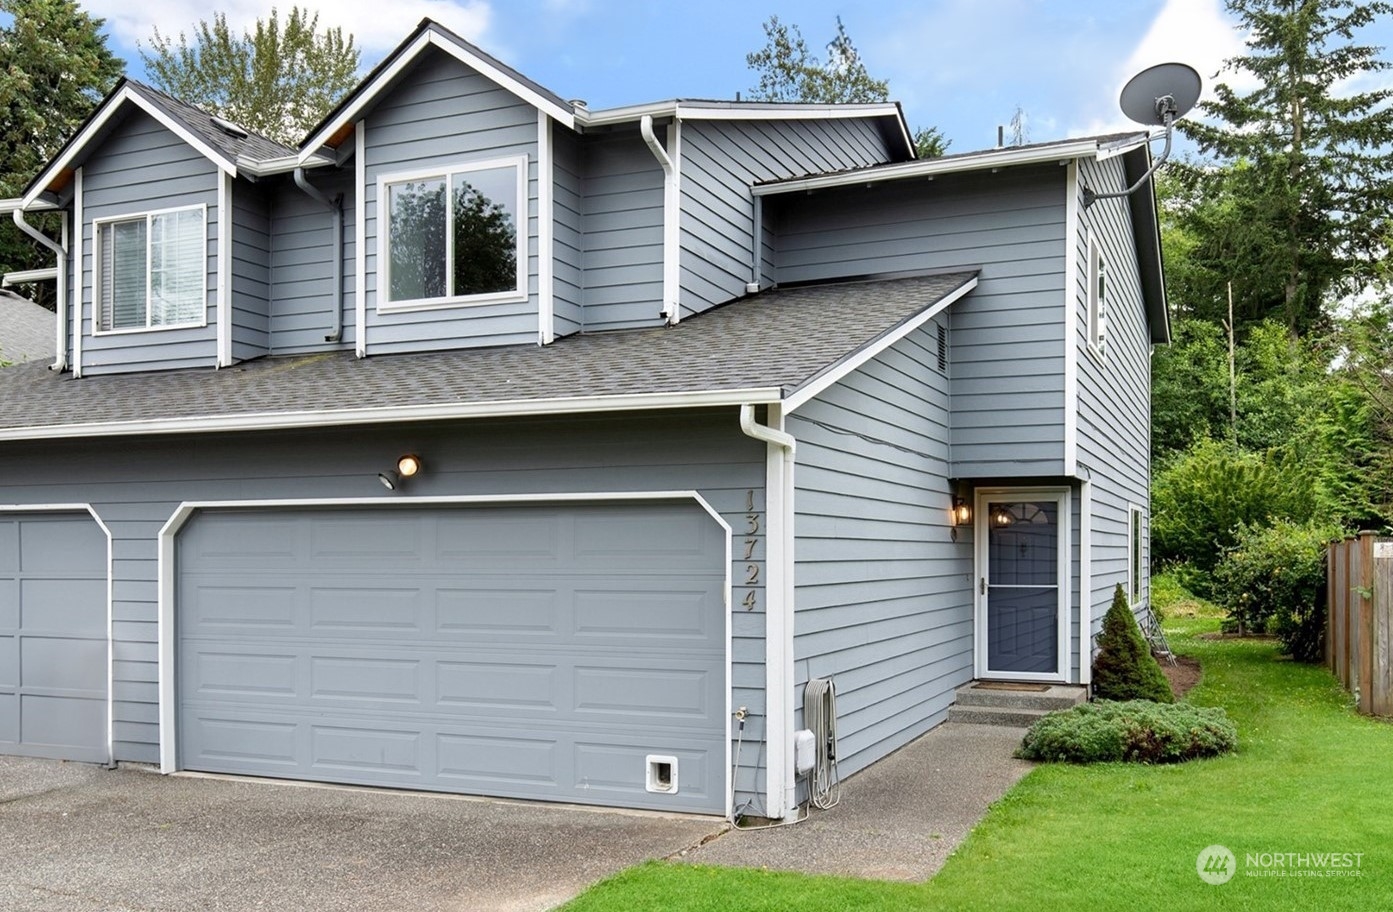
61,362
335,206
671,201
780,797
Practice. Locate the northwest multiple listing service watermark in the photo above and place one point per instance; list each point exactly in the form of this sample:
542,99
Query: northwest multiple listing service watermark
1217,865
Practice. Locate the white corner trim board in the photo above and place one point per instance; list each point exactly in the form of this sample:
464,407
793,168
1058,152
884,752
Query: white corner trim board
360,244
166,573
546,242
1071,319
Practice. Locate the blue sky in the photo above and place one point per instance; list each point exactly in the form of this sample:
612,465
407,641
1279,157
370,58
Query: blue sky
961,65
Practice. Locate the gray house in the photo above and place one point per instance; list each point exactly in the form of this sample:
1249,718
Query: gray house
490,444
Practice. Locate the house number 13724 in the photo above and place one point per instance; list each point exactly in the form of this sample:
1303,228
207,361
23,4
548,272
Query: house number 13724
752,527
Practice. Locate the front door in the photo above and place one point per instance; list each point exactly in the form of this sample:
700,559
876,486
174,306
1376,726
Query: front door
1022,584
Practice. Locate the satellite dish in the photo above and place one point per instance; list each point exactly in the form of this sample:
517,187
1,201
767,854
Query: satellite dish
1155,97
1167,88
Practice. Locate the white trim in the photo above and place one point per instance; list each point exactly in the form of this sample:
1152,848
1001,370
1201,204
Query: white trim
1064,610
447,411
25,276
110,604
1071,318
1096,325
546,243
815,387
737,110
166,568
223,293
98,223
519,165
949,164
366,94
78,293
360,246
1085,582
94,128
672,227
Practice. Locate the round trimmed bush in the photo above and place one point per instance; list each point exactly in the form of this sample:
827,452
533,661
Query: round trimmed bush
1134,731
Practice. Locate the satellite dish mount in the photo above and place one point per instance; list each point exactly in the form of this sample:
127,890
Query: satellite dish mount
1156,97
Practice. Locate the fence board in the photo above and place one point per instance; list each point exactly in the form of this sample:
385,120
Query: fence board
1359,623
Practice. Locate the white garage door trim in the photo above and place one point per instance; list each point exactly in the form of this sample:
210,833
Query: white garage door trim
110,651
168,706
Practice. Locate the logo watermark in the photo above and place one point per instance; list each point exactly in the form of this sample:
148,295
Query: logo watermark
1217,865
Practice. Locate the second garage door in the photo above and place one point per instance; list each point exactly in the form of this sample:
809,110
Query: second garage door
568,653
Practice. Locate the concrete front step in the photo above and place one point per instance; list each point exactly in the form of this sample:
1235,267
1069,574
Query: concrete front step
1058,696
996,715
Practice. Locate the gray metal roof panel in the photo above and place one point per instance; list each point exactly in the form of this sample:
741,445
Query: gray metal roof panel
780,338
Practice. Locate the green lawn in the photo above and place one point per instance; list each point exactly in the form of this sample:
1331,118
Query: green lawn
1310,776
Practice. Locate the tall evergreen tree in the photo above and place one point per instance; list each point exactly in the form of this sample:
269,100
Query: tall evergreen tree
1299,206
278,79
54,68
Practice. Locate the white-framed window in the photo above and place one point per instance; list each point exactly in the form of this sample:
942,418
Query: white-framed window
152,270
453,235
1136,552
1097,298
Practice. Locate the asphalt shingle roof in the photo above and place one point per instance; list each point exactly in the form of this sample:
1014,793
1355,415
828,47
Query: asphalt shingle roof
26,329
253,146
781,338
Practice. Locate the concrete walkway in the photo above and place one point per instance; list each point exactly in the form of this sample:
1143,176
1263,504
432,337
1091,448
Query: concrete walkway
899,819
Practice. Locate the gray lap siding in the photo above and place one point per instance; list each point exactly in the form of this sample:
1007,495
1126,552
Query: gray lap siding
136,485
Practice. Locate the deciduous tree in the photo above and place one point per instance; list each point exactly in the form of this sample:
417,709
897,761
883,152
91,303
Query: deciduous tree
276,79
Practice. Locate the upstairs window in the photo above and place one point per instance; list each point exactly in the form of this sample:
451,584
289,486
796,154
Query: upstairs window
1097,298
152,271
452,236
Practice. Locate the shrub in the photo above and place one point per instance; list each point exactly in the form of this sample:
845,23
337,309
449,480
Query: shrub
1274,579
1135,731
1124,668
1204,496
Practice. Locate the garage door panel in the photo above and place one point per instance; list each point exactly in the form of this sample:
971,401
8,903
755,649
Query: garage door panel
9,546
9,662
9,719
245,541
623,539
50,724
74,606
58,545
483,666
64,664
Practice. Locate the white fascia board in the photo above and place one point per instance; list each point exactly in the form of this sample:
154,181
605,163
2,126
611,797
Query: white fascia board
820,383
259,421
25,276
127,94
1122,146
283,165
7,206
716,110
428,38
929,167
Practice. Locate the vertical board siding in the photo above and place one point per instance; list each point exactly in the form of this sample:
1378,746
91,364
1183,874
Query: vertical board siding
251,271
567,233
1114,392
302,264
1008,335
142,167
136,495
720,160
621,232
444,114
884,593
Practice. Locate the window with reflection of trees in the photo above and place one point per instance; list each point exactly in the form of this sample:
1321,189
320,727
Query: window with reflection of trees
453,235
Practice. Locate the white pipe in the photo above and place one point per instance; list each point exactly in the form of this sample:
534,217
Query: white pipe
645,129
335,206
780,785
60,363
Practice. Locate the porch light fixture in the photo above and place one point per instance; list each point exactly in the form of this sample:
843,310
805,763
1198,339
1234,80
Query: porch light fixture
408,466
962,512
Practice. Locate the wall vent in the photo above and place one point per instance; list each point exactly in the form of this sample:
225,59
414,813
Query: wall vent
942,348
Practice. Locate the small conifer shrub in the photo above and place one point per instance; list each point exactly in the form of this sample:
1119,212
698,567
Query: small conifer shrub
1124,668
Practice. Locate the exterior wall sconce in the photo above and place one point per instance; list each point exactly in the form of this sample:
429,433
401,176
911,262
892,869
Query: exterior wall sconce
962,512
408,466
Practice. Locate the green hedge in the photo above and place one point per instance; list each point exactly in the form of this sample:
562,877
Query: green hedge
1135,731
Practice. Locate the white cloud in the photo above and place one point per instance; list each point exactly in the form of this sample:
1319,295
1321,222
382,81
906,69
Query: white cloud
1194,32
377,26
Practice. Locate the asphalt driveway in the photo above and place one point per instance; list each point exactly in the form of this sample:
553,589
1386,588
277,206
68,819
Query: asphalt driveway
77,838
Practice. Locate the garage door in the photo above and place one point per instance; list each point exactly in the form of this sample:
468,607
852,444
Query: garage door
544,652
53,637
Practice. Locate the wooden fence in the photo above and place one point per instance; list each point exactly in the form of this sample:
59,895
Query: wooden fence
1359,623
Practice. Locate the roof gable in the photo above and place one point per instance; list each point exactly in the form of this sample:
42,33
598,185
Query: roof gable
333,128
201,130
